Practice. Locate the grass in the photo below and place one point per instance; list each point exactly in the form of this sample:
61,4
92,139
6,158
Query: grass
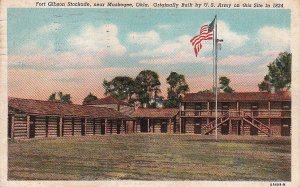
151,157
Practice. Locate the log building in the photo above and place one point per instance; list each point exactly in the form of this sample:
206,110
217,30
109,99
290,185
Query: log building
156,120
240,113
29,118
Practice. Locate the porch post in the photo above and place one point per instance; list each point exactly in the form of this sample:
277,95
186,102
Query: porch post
94,126
238,108
180,118
133,126
73,126
47,126
269,120
85,124
230,127
122,124
242,127
60,126
105,125
170,124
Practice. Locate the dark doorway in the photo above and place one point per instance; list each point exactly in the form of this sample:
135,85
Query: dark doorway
197,129
225,129
253,131
238,127
82,127
164,127
285,127
57,127
254,107
144,125
197,126
32,127
118,127
102,128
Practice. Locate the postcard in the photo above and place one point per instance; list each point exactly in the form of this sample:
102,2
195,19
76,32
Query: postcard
150,93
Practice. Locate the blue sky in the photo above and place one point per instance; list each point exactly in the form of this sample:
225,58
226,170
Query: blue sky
75,49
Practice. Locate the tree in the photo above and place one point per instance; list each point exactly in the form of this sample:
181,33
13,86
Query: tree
265,85
52,97
147,87
89,98
205,91
279,74
224,82
62,98
121,87
178,87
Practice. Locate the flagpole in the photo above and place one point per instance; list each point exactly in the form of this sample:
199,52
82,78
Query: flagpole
216,76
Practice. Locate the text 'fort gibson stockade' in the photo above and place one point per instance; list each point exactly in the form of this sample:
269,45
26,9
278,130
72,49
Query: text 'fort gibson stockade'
157,5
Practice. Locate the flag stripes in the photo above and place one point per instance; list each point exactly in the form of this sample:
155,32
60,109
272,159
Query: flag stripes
206,33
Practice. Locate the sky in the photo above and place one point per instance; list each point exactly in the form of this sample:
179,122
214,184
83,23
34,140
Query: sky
74,50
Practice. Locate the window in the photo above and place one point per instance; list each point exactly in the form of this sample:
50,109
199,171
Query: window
286,105
225,106
254,106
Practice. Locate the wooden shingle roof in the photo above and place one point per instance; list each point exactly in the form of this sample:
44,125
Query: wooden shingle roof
155,112
39,107
108,100
238,96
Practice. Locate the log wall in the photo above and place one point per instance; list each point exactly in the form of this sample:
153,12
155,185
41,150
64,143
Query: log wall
20,128
24,126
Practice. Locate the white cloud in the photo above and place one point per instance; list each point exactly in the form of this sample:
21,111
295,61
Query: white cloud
52,27
98,39
180,49
164,26
174,51
236,60
144,38
274,39
231,39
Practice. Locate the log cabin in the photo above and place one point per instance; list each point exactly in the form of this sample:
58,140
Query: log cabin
239,113
156,120
29,118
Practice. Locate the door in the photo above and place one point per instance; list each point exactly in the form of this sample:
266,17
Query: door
198,107
286,127
239,127
254,108
197,126
225,128
102,128
82,127
253,131
118,127
144,125
32,127
164,127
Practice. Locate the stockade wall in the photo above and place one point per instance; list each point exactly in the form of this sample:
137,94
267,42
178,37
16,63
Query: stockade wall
21,126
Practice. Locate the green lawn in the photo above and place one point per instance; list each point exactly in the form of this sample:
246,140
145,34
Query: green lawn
151,157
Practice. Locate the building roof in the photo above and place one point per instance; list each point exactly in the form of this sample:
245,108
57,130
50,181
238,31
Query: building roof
155,112
238,96
108,100
39,107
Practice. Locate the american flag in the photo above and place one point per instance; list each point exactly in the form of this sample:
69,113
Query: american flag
206,33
